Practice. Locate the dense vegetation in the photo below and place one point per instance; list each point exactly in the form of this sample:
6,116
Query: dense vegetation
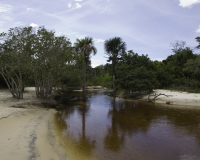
38,57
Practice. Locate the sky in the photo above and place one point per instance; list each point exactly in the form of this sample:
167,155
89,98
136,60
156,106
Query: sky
148,27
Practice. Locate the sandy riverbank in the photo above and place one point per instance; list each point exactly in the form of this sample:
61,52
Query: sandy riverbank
27,129
177,98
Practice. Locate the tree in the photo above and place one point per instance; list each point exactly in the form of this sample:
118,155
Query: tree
178,46
99,76
163,74
198,40
49,60
84,47
192,71
14,58
192,68
174,64
135,73
114,48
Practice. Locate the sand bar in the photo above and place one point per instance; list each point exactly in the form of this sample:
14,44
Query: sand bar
177,98
27,133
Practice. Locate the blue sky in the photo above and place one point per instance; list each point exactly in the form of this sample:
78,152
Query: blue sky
147,26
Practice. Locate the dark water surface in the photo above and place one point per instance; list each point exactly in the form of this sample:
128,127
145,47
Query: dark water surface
106,128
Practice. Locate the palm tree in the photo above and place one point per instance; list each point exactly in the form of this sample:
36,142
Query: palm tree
85,47
198,40
114,48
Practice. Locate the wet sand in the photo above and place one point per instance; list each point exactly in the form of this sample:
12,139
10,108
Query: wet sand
27,131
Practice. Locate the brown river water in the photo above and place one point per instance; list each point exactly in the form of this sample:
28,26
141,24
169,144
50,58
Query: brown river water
107,128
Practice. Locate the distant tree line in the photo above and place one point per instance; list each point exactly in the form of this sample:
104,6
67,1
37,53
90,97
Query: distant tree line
137,73
38,57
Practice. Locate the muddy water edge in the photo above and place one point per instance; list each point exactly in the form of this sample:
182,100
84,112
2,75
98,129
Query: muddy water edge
107,128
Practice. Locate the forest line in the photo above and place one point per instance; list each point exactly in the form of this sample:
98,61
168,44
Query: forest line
37,57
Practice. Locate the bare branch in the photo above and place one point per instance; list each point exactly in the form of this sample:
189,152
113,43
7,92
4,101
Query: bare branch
155,96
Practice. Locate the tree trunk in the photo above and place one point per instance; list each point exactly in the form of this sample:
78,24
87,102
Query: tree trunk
83,81
114,83
113,65
43,89
15,86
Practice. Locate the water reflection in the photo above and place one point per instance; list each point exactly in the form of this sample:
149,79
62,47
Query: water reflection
113,128
114,139
84,142
81,141
130,117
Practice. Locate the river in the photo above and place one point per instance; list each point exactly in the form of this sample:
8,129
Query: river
107,128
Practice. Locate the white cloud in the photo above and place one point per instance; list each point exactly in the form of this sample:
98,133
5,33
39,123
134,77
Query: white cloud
77,5
29,9
198,30
99,40
188,3
69,5
33,25
5,8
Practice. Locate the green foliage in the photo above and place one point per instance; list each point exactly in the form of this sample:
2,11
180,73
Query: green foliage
192,68
198,40
177,61
71,77
135,73
49,59
27,55
162,73
15,57
114,48
99,76
102,80
171,73
30,56
84,48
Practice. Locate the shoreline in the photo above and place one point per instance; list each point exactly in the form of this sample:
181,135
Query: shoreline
29,131
177,99
27,128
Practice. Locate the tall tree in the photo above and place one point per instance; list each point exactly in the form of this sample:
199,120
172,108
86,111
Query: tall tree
15,48
114,48
49,60
85,47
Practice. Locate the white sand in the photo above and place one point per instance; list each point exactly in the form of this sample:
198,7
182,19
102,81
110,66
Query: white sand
28,132
177,98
